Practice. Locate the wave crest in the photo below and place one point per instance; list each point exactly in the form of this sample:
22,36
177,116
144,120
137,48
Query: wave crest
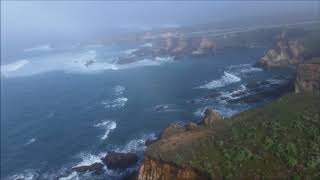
8,68
108,126
45,47
226,79
115,104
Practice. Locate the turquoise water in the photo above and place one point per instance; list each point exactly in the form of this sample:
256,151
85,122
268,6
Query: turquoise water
55,116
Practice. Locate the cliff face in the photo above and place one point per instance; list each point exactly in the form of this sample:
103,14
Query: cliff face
158,170
308,78
161,159
261,143
173,44
284,53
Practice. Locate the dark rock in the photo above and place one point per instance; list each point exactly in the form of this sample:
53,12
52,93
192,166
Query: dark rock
263,92
88,63
252,85
115,160
95,167
150,141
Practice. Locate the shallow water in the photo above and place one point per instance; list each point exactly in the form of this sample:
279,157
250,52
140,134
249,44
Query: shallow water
55,115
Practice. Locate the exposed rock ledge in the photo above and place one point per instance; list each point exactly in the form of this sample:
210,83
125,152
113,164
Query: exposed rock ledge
308,78
156,169
284,53
155,165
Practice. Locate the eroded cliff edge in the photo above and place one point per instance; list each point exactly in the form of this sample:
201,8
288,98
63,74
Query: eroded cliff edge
278,141
291,49
308,77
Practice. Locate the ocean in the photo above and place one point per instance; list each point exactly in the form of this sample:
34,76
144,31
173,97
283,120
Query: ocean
57,112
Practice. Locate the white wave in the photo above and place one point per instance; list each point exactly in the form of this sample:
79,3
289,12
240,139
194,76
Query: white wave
244,68
30,141
115,104
45,47
88,159
165,59
108,126
235,94
8,68
222,110
146,45
226,79
137,145
161,107
277,81
29,174
73,176
72,62
200,111
251,69
166,108
119,90
130,51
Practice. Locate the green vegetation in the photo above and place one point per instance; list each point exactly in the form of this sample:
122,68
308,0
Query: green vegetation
278,141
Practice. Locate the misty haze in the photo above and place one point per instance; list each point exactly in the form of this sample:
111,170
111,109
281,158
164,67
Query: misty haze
160,90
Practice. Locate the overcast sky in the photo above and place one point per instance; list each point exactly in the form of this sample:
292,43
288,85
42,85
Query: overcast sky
60,19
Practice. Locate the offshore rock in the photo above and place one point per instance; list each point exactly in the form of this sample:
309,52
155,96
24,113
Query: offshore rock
116,160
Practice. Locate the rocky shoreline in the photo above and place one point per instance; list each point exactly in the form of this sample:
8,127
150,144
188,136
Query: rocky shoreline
162,159
307,81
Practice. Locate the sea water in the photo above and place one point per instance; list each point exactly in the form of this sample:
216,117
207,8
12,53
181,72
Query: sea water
57,113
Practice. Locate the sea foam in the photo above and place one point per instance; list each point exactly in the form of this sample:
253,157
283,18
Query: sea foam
226,79
28,174
118,90
108,126
137,144
73,176
116,103
30,141
87,159
45,47
244,68
8,68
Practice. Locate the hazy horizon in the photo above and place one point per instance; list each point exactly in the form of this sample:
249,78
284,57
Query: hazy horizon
27,24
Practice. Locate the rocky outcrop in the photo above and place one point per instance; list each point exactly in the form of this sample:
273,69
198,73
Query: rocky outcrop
191,126
173,129
211,117
95,167
205,46
116,160
284,53
156,165
308,78
172,45
153,169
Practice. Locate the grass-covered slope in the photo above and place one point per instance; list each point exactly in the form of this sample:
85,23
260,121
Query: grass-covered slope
278,141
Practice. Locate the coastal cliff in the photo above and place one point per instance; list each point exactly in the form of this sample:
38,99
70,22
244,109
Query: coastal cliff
308,77
153,169
278,141
284,53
